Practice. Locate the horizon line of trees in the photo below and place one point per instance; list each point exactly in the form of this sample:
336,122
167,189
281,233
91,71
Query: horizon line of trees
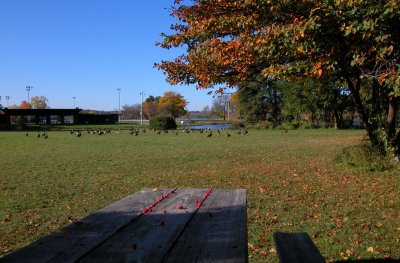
171,103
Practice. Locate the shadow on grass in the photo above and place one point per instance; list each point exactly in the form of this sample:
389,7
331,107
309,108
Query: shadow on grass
370,261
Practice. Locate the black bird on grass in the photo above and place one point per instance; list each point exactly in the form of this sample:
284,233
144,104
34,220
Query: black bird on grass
228,134
26,133
209,135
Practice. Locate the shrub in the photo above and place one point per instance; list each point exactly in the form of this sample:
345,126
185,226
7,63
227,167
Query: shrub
308,125
162,122
264,125
363,158
237,125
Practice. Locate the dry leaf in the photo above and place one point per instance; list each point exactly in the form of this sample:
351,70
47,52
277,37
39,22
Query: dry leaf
262,237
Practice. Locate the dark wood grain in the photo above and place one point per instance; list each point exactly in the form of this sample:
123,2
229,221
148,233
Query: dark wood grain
148,238
75,240
297,248
217,233
174,230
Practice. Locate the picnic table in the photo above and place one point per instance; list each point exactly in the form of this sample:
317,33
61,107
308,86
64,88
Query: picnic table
152,225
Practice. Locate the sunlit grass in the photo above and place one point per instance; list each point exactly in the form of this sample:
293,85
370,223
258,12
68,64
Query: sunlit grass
293,182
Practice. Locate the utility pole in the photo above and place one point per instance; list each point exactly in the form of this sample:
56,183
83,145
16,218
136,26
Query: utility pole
74,101
119,105
141,109
28,89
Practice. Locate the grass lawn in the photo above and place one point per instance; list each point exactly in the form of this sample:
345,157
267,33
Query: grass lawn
292,180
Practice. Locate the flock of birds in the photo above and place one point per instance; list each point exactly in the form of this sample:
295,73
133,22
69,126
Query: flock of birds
136,131
44,134
207,131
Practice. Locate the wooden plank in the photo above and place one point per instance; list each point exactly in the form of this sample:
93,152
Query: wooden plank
148,238
218,231
75,240
296,248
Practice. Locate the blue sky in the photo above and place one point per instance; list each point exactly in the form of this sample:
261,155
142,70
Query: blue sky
86,49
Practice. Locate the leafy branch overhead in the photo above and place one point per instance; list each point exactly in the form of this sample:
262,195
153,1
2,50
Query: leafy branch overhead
230,41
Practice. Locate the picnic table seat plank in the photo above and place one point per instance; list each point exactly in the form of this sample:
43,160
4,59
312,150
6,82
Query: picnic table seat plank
151,236
297,248
73,241
217,232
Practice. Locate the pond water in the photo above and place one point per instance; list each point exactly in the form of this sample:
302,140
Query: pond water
209,126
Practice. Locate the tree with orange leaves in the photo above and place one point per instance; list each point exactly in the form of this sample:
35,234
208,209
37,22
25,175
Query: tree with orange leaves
25,105
150,106
356,42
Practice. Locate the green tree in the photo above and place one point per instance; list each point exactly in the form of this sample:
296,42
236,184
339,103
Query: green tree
355,41
260,100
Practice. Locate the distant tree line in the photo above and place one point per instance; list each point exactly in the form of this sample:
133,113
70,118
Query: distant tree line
315,104
171,103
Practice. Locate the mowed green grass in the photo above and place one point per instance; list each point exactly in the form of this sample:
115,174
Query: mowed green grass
292,182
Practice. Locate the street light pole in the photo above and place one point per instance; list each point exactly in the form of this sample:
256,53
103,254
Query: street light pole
141,109
7,99
74,101
28,89
228,108
119,105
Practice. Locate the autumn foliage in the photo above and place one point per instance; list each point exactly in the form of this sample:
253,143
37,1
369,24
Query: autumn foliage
25,105
353,41
171,103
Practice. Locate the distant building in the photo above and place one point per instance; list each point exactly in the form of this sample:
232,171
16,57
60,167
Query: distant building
55,116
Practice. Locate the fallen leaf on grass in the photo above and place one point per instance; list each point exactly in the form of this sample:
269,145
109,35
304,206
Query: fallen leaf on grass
262,190
370,249
251,246
262,237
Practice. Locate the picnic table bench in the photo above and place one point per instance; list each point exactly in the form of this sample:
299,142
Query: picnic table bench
152,225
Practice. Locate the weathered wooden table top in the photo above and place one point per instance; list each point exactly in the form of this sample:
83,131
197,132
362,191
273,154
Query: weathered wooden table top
167,225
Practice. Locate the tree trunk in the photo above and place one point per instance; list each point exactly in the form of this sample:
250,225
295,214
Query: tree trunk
372,129
391,123
336,117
